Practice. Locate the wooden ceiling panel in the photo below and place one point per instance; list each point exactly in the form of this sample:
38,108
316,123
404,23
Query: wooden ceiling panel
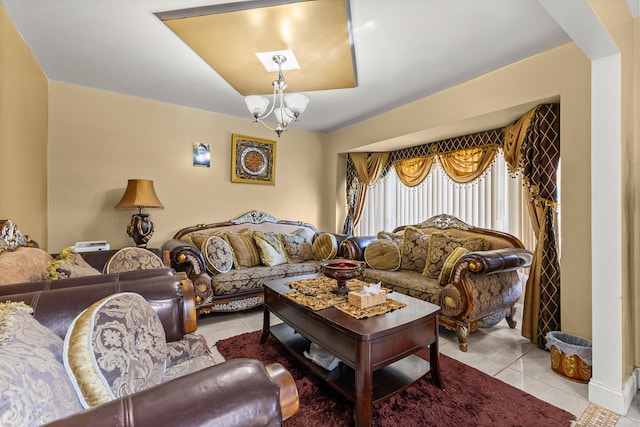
318,33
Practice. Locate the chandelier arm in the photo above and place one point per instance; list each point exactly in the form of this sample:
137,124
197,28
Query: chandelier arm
273,104
292,116
281,107
288,125
266,125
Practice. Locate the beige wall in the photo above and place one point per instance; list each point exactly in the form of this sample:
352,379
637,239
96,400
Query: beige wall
23,135
624,31
632,204
562,74
98,140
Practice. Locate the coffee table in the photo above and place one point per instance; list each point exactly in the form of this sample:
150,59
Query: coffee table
378,353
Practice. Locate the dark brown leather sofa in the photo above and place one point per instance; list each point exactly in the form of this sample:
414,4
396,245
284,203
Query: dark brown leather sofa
239,392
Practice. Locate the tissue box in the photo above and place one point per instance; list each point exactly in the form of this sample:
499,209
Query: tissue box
366,300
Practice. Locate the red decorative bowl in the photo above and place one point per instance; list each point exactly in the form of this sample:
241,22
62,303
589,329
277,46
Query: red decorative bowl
342,270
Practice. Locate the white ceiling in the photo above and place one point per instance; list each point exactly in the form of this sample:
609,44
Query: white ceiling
405,50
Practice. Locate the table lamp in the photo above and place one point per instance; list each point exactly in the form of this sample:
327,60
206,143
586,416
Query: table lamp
140,194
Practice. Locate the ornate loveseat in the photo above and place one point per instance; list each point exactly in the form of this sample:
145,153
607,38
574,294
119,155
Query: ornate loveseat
472,273
230,278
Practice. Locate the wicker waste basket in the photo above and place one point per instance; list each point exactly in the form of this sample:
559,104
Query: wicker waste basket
570,356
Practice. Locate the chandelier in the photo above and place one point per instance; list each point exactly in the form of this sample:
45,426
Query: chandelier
288,108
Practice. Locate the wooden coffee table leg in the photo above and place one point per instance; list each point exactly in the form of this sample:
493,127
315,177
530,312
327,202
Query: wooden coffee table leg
434,362
364,386
266,325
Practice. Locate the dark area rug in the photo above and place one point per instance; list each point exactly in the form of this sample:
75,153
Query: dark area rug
470,398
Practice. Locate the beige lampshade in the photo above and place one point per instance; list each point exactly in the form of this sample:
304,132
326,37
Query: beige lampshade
140,194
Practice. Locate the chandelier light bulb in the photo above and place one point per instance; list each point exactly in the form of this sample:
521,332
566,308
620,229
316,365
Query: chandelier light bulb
257,105
296,102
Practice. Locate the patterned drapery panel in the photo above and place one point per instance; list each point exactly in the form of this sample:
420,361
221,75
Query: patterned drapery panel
539,158
367,168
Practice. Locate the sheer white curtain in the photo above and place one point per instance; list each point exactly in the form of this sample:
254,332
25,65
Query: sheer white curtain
495,201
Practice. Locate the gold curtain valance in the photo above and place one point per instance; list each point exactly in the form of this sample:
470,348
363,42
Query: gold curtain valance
514,136
464,166
412,172
369,166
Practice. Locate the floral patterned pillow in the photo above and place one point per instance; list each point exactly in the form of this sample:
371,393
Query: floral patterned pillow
297,246
217,254
132,259
114,348
35,387
414,250
441,245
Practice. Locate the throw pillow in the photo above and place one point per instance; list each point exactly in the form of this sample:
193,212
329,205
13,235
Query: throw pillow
132,259
414,249
297,246
382,254
396,238
68,264
440,247
325,247
25,264
114,348
245,250
35,387
447,267
270,248
217,254
196,239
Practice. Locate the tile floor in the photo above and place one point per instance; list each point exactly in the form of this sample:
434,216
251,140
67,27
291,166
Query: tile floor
499,351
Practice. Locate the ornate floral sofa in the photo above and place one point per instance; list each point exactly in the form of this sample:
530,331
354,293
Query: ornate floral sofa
472,273
229,261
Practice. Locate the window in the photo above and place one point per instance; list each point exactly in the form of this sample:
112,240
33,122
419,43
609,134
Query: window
495,201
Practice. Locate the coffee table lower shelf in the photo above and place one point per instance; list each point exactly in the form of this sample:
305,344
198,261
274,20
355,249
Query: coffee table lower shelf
387,381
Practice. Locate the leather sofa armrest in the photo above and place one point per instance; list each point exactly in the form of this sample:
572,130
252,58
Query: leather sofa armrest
498,260
45,285
353,247
339,239
471,271
189,259
168,295
235,393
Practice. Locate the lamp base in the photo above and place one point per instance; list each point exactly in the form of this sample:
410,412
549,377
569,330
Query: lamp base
140,229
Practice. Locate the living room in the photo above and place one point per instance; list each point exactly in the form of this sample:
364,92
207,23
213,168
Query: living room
68,151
